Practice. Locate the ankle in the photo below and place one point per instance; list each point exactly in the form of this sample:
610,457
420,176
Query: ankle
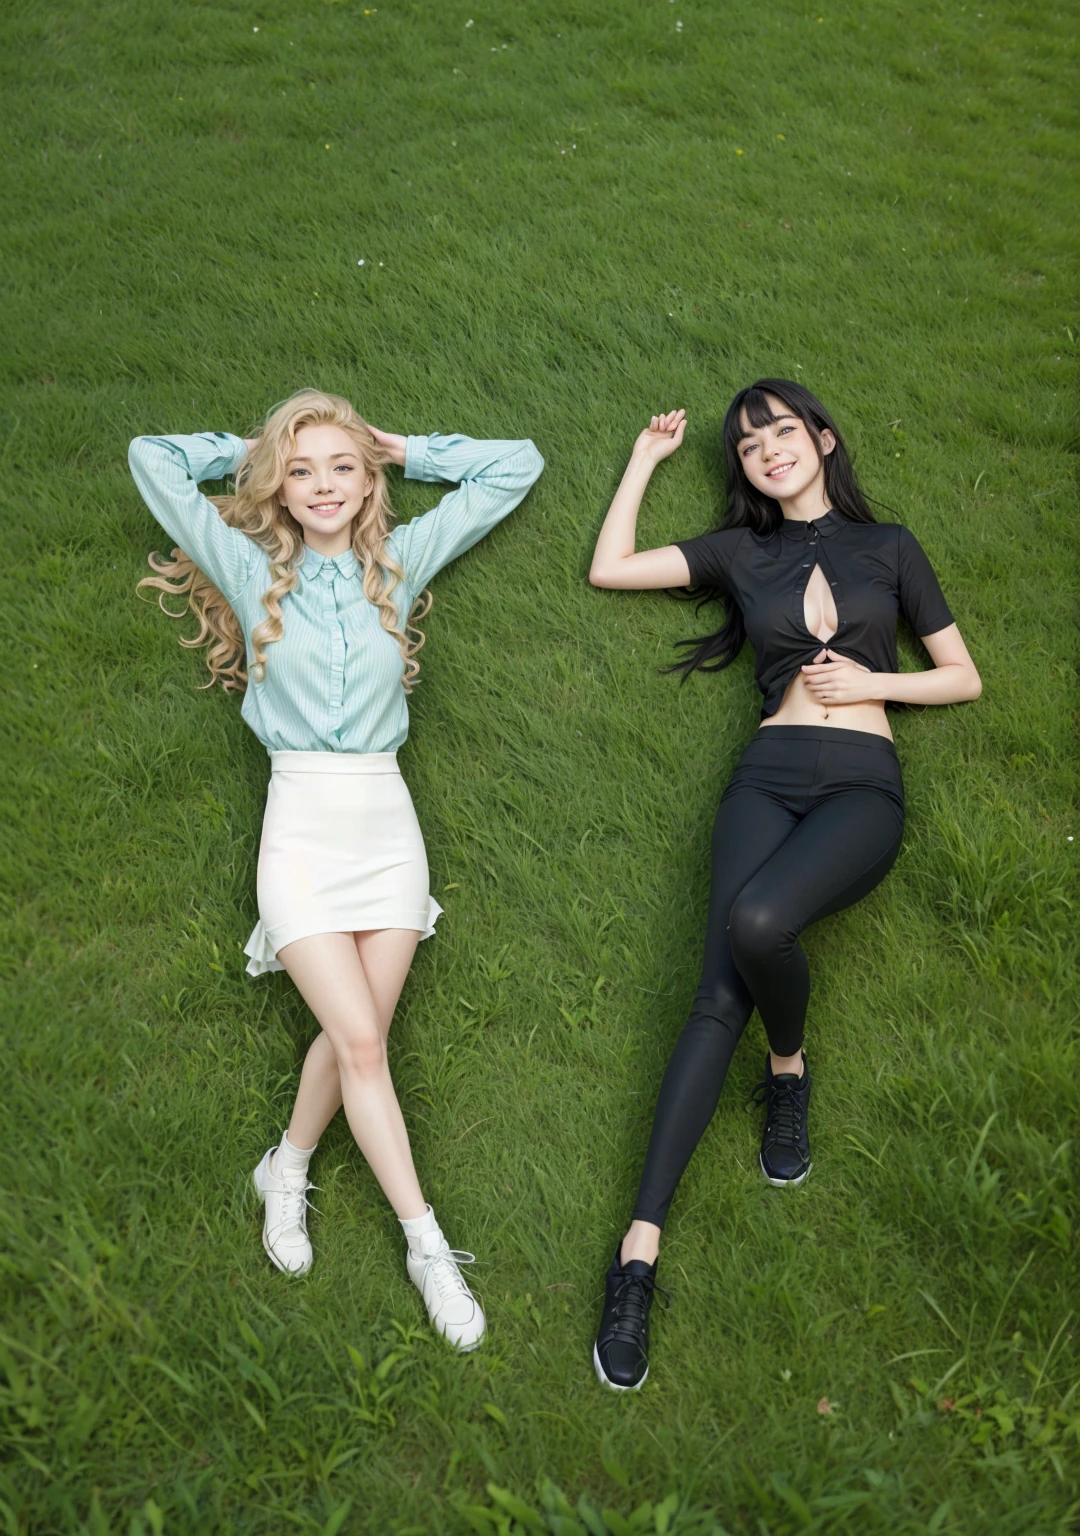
793,1066
642,1242
288,1161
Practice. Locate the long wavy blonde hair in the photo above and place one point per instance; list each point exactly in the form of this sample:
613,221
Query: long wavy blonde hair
256,510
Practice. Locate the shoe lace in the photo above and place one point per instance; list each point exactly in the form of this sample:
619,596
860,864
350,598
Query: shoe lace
444,1269
294,1204
631,1310
783,1109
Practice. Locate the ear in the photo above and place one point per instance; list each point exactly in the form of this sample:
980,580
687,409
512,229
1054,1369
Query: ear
828,441
368,486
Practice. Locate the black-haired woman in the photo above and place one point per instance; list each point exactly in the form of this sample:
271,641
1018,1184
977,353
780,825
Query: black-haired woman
812,817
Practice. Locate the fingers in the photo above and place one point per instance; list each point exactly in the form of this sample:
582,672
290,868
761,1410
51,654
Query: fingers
667,421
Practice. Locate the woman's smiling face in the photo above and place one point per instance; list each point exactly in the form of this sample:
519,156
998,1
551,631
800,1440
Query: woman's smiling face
325,486
781,459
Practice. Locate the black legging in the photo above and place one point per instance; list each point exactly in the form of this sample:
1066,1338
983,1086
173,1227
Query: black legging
810,822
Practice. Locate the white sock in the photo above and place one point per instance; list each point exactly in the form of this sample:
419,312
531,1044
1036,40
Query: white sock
417,1227
289,1162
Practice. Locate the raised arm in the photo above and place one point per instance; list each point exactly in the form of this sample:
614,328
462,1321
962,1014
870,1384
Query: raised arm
614,563
167,471
492,478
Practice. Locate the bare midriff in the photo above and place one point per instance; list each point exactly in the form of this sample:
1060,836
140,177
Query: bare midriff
799,707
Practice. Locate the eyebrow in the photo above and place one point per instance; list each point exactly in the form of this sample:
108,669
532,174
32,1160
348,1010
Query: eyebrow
784,416
300,459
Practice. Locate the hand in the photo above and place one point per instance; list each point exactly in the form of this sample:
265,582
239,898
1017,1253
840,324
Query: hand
661,437
251,443
393,442
836,679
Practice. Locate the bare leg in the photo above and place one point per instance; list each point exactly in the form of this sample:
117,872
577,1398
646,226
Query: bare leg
792,1064
642,1241
318,1098
355,1015
386,955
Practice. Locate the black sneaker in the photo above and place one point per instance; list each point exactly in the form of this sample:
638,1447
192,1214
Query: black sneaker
621,1351
785,1141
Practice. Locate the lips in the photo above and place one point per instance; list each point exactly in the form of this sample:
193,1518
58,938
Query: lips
326,508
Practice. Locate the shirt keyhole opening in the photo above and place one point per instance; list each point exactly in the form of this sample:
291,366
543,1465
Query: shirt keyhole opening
819,607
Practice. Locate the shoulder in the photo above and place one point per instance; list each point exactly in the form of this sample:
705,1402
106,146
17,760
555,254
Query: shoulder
711,556
725,541
889,539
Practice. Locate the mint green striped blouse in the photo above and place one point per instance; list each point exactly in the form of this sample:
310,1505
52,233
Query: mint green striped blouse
334,680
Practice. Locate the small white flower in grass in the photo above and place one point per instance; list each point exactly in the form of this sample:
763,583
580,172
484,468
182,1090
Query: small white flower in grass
469,23
254,29
1068,839
678,26
785,1374
360,263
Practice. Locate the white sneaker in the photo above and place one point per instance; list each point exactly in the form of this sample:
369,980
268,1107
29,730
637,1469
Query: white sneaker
285,1236
433,1268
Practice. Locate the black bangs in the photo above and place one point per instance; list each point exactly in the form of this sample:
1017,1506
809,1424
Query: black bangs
754,405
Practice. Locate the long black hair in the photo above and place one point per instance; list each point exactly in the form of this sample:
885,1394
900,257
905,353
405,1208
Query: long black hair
747,507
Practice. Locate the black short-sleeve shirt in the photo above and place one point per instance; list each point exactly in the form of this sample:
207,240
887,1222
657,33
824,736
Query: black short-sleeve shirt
875,571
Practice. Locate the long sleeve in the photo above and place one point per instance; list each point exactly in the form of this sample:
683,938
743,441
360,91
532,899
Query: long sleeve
167,471
494,477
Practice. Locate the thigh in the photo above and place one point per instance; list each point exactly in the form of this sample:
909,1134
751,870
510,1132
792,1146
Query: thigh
836,855
750,828
330,978
386,955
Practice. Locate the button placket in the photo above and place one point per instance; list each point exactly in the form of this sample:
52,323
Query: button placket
336,630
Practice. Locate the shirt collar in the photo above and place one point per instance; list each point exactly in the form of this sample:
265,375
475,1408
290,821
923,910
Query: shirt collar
828,523
328,567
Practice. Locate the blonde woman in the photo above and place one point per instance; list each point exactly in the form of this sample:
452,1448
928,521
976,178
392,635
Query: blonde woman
306,596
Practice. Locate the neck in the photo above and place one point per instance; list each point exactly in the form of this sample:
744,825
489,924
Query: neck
328,544
808,504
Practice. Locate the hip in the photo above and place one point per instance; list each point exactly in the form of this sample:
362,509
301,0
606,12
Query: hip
804,765
343,801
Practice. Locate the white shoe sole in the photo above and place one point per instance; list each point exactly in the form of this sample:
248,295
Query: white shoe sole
613,1386
783,1183
465,1349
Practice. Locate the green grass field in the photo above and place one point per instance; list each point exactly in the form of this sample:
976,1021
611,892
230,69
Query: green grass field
568,216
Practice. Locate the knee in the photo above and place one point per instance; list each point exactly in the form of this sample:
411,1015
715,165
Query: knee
757,932
362,1054
719,1009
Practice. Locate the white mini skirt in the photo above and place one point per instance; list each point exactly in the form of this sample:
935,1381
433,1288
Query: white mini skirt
341,852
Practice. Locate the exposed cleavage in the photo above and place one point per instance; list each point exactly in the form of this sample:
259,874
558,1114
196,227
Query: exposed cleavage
819,607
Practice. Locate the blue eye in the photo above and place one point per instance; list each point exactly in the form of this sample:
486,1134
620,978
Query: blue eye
783,430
